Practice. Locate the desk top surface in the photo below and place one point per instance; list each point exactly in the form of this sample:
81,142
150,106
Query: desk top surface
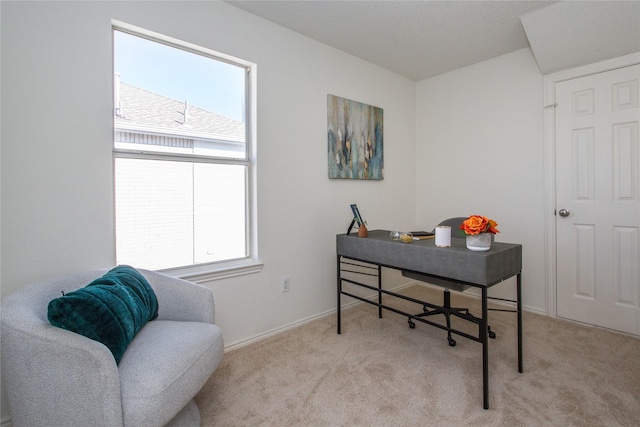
487,268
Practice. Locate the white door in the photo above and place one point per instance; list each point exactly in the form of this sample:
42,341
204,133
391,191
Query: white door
597,199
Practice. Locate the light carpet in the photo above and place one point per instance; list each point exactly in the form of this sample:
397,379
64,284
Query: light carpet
379,372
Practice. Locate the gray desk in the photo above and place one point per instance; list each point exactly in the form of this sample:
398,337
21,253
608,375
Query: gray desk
454,268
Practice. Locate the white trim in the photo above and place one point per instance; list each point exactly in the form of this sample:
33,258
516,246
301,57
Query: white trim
209,272
179,44
239,344
179,133
124,153
550,81
597,67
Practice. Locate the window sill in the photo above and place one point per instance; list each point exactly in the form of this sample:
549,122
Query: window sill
209,272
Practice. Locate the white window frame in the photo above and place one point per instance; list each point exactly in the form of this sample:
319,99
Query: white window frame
200,273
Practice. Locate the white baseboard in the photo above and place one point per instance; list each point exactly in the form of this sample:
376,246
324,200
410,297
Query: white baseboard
239,344
260,337
273,332
534,310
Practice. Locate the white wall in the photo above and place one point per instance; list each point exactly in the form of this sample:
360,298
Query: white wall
57,191
480,150
477,135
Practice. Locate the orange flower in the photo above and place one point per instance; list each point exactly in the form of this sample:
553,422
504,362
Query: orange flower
477,224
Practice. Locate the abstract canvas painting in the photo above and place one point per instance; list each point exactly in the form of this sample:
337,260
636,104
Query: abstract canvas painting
355,137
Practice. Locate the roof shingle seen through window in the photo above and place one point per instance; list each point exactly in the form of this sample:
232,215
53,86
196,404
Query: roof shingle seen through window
139,107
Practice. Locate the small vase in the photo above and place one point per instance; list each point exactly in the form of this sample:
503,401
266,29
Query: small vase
362,231
479,242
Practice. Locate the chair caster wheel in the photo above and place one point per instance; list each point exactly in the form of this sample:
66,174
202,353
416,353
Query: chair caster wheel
411,324
452,342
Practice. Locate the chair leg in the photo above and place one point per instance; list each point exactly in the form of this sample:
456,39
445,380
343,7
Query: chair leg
446,305
452,342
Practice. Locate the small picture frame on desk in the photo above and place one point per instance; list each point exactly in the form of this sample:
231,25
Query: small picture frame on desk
356,215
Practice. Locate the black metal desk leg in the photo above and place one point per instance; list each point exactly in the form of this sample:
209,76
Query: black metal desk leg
339,289
484,333
379,292
519,293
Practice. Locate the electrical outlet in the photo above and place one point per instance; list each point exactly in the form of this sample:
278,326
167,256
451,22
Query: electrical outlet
285,285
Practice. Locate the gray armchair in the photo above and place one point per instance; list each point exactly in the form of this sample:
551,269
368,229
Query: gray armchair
54,377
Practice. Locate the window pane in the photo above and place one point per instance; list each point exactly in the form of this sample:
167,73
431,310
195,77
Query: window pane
220,212
173,214
181,155
170,100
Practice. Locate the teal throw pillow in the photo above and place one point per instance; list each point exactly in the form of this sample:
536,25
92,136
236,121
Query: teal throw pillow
111,309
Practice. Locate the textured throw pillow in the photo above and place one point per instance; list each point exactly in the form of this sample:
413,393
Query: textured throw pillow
111,309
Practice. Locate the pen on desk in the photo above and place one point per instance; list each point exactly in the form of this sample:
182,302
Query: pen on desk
424,237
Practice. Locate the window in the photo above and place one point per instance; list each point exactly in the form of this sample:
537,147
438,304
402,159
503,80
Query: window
182,149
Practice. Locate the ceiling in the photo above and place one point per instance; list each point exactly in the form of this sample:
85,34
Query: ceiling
422,39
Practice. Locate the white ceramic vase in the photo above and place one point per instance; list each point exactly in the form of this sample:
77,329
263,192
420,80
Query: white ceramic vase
479,242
